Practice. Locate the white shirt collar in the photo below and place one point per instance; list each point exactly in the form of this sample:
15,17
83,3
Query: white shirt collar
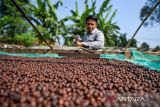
93,31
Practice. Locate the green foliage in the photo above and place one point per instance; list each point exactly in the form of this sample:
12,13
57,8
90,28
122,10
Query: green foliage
14,27
25,39
122,41
155,17
144,46
133,43
6,39
105,17
45,17
69,38
79,20
11,21
110,29
44,32
157,48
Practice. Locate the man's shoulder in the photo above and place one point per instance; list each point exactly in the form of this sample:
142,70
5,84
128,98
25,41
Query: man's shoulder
98,31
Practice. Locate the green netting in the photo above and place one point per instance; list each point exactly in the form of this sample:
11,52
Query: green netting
150,61
113,56
31,55
142,56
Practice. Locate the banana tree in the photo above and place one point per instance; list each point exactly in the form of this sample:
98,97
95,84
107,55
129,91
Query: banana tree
45,17
104,15
11,22
79,19
110,29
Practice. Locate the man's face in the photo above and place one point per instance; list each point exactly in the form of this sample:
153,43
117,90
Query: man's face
91,25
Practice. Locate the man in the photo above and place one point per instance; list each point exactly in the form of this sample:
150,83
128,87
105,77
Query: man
93,38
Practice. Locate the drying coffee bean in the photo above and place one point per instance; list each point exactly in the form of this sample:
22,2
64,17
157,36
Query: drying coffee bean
15,97
75,82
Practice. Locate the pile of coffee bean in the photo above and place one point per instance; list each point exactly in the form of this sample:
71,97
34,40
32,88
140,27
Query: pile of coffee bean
76,82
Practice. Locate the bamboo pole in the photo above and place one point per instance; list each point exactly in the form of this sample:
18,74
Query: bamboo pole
21,11
153,8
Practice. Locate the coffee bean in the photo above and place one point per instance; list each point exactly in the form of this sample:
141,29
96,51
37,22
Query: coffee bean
67,82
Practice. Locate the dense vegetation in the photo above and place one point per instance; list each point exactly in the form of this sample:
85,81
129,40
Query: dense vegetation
155,17
14,29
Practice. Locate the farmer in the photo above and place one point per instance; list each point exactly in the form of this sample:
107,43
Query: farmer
93,38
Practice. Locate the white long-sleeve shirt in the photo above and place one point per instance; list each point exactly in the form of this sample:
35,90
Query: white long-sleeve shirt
94,40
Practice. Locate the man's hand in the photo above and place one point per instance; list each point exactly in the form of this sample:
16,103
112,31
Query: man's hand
79,44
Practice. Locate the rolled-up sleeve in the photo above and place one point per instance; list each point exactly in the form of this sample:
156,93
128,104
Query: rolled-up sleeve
97,43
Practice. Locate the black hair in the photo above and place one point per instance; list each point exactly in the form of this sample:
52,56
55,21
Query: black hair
91,17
